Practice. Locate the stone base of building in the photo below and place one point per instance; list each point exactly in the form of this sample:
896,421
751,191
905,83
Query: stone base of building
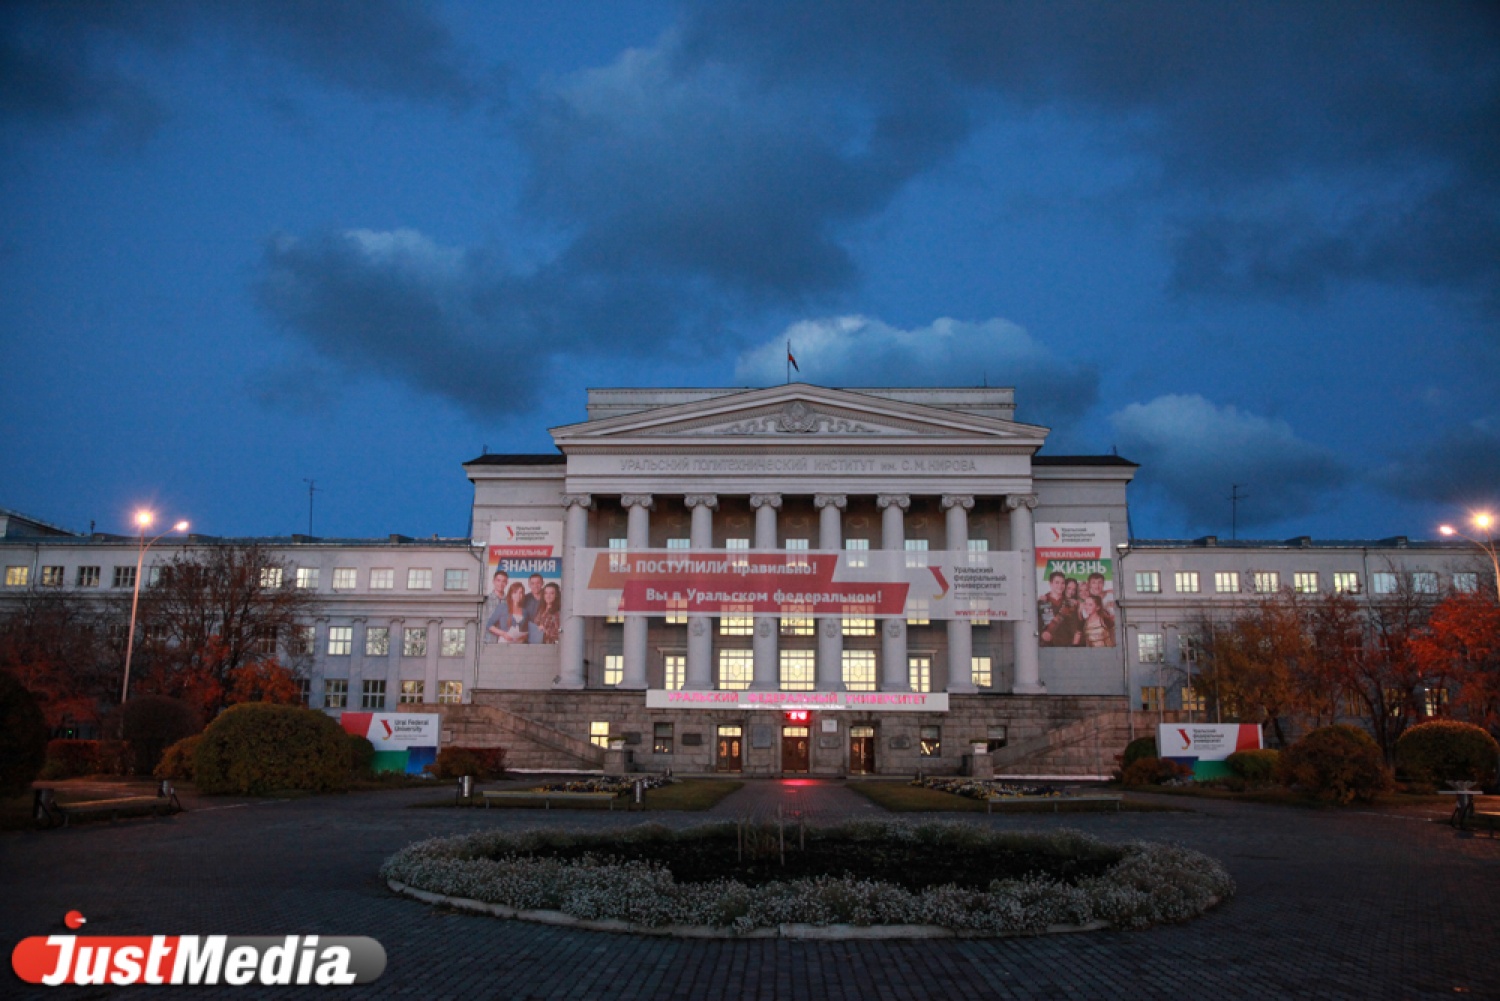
1055,735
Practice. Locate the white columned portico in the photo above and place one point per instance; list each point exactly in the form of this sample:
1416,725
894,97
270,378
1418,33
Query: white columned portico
767,668
960,631
830,663
1028,676
637,536
894,673
700,644
570,672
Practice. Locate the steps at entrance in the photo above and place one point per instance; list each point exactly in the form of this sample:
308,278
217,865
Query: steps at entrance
1082,747
528,743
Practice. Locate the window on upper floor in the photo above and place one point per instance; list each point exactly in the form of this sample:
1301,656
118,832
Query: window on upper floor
1305,582
124,577
414,641
378,641
859,670
916,552
1384,582
454,640
419,579
796,552
88,577
340,641
1466,583
1345,582
307,578
18,576
736,670
270,577
858,552
614,668
1149,648
1424,582
413,691
1267,582
739,547
450,692
382,579
373,696
1226,582
1147,582
1186,581
345,578
53,576
336,693
455,580
981,672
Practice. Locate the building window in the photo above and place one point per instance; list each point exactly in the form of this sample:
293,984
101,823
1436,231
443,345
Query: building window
679,543
270,577
1395,701
345,578
736,670
798,625
599,733
859,627
88,577
1305,582
661,738
304,691
1345,582
413,691
374,695
1466,583
1193,701
859,670
450,693
20,576
414,641
382,579
996,737
1147,582
979,547
737,625
617,561
1354,705
124,576
674,672
336,693
454,641
1148,648
796,552
53,576
916,552
676,612
858,548
1188,646
419,579
340,641
1382,582
797,671
918,612
1227,582
1186,581
265,639
1267,582
378,641
304,639
1424,582
455,580
1435,701
1151,698
931,741
981,671
307,578
614,668
919,673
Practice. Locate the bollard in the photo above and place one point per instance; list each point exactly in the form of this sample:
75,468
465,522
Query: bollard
465,786
638,785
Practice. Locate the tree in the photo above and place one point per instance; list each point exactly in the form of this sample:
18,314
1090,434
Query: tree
1462,644
1252,664
67,651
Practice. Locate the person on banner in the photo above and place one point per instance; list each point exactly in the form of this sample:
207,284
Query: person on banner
1058,616
1105,599
500,583
534,594
1095,628
548,619
514,624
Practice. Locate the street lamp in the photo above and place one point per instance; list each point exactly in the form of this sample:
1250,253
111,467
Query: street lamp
143,522
1485,522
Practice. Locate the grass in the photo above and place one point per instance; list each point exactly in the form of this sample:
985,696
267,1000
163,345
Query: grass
899,797
684,794
1282,796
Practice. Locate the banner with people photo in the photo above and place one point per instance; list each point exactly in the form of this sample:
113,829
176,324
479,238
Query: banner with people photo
524,570
1075,585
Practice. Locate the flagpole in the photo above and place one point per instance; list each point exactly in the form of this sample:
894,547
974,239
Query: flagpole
788,362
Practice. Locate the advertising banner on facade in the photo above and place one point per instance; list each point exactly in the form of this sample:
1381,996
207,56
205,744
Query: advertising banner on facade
404,742
1075,585
812,583
1203,747
524,561
927,702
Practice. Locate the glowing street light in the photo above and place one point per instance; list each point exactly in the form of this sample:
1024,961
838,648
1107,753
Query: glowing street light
143,521
1485,522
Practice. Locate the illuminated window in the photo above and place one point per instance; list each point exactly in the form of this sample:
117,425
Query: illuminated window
858,549
1147,582
413,691
797,671
419,579
455,580
919,673
1345,582
377,641
88,577
931,741
270,577
1186,581
53,576
345,578
1148,648
798,625
1424,582
454,641
739,547
614,668
450,692
916,552
1227,582
1467,583
1383,583
917,612
674,671
737,625
307,578
1193,700
1435,701
383,579
599,733
336,693
124,576
340,641
1305,582
19,576
617,564
661,738
414,641
859,670
981,671
373,696
1267,581
796,552
859,627
677,607
736,670
1395,701
1151,698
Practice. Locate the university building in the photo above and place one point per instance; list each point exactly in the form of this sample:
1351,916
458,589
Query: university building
782,581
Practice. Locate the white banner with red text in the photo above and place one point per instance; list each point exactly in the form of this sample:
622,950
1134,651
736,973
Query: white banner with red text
925,702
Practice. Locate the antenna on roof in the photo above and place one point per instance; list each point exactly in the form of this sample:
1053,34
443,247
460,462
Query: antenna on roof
486,450
1234,509
312,488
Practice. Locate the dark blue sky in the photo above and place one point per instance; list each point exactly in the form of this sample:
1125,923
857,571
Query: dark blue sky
247,245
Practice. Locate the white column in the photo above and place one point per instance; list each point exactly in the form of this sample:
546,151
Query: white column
570,652
767,627
700,648
894,673
960,631
830,631
434,644
637,537
1028,679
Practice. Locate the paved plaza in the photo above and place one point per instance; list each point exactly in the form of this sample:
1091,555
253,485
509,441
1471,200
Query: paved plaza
1331,904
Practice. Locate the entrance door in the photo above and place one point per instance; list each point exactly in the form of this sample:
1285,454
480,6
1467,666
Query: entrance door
862,750
728,759
794,749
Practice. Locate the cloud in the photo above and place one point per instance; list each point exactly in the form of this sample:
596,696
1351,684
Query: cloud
859,351
1461,468
1193,452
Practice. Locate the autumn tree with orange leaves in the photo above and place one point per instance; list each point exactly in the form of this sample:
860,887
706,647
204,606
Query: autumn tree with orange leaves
1461,645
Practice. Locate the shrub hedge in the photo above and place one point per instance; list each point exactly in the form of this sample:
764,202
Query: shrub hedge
1340,762
257,747
23,737
1140,747
1254,766
1444,750
70,759
480,762
361,755
1154,772
152,723
177,761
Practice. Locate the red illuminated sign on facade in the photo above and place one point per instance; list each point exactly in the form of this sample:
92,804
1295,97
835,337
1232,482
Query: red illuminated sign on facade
797,715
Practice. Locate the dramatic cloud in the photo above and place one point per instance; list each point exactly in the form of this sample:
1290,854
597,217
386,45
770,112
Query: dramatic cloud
1459,468
1194,452
857,351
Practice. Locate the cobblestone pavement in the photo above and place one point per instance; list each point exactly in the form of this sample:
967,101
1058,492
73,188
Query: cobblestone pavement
1331,904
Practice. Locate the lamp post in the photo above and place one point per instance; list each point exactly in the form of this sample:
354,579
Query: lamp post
143,522
1485,522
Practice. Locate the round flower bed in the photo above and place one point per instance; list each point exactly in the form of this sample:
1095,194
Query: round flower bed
724,880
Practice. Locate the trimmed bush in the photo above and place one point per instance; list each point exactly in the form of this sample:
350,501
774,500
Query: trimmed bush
152,723
1340,763
71,759
177,760
1255,767
257,747
1155,772
1140,747
361,755
23,737
1444,750
480,762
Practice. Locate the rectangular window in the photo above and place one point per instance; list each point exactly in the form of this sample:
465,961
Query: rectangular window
736,670
454,641
1435,701
1346,582
599,733
88,577
1188,646
373,696
916,552
674,671
797,671
304,691
1227,582
1147,582
1151,698
1186,581
414,641
345,578
270,577
450,693
377,641
307,578
1305,582
1395,701
796,552
53,576
304,639
661,738
738,546
996,737
265,639
1193,701
979,547
981,671
124,576
1465,583
919,673
455,580
340,641
153,576
918,611
1267,582
679,543
617,561
1148,648
677,607
419,579
736,625
859,627
798,626
382,579
1424,582
1354,705
858,548
336,693
859,670
931,741
1382,582
20,576
614,668
413,691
